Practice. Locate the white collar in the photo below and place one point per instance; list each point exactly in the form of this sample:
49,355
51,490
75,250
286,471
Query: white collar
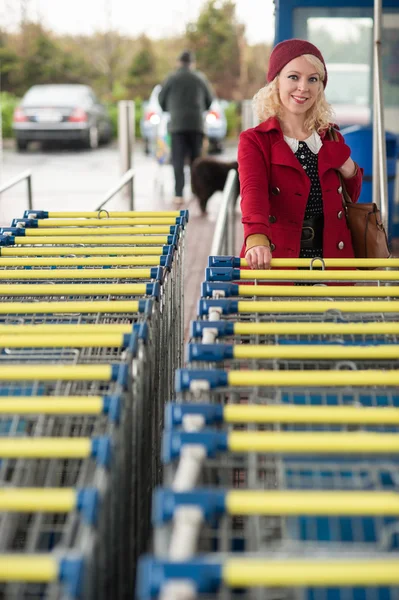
313,142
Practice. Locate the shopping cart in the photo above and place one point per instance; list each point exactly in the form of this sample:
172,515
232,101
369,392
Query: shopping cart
309,263
278,332
269,577
62,575
90,333
103,214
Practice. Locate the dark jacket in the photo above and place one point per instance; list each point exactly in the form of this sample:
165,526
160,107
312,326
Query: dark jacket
275,191
186,94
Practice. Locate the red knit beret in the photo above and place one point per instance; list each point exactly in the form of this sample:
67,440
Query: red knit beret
286,51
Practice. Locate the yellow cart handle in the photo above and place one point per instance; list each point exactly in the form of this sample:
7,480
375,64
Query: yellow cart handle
273,275
363,329
331,503
76,274
105,214
30,568
51,405
111,261
45,372
71,289
96,240
38,500
313,443
104,340
45,447
322,378
111,222
86,251
319,292
243,572
83,231
316,352
350,263
100,307
65,329
333,415
317,306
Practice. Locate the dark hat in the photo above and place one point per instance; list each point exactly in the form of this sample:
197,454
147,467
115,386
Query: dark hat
187,57
286,51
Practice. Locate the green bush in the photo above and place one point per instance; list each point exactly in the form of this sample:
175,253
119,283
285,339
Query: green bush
233,119
113,113
8,103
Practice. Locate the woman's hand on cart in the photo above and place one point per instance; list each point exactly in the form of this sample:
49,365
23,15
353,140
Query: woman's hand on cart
259,257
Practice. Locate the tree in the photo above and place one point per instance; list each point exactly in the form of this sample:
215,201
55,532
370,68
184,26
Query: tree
216,39
9,63
142,73
257,59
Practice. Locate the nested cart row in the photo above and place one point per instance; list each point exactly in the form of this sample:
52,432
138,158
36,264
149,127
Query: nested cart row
281,446
90,334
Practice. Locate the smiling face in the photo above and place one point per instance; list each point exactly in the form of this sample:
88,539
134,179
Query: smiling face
299,84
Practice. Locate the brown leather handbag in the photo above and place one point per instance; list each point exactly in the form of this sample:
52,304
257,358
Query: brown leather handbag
369,238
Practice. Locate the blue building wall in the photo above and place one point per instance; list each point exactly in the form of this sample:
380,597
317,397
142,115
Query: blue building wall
284,27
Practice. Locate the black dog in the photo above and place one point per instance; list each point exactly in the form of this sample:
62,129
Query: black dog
208,175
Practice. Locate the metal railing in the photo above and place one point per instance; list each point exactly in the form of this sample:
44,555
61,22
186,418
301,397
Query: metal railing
127,179
380,185
224,238
25,175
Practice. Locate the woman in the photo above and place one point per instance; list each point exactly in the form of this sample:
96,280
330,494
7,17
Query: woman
291,196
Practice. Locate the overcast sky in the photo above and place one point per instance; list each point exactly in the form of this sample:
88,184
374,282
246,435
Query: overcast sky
157,18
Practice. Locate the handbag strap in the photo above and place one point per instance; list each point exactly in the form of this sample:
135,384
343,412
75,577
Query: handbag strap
346,199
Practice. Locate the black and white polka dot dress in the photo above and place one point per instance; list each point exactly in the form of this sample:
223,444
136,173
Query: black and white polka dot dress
314,207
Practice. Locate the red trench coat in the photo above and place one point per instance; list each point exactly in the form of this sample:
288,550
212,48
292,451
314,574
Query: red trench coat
275,189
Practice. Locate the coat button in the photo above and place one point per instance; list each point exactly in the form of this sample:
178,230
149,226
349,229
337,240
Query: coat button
341,245
272,219
275,191
339,190
272,247
340,214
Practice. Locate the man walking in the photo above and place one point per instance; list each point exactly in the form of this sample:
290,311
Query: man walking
186,94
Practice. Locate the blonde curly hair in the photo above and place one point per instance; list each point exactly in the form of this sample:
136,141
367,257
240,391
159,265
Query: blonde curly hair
266,102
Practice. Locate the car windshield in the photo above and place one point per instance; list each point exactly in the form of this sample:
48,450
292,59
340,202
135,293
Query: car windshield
348,87
55,96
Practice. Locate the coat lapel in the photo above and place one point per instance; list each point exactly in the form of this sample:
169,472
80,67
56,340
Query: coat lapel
332,155
283,155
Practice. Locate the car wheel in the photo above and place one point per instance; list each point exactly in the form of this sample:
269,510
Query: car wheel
215,147
147,149
107,137
22,145
92,138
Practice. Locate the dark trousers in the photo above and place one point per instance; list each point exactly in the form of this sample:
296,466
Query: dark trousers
184,144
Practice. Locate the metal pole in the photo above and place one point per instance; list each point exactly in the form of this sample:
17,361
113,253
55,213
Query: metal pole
232,226
222,224
380,182
375,171
30,196
132,140
248,118
126,143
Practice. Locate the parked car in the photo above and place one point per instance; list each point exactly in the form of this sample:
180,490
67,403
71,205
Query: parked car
61,112
215,124
348,92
